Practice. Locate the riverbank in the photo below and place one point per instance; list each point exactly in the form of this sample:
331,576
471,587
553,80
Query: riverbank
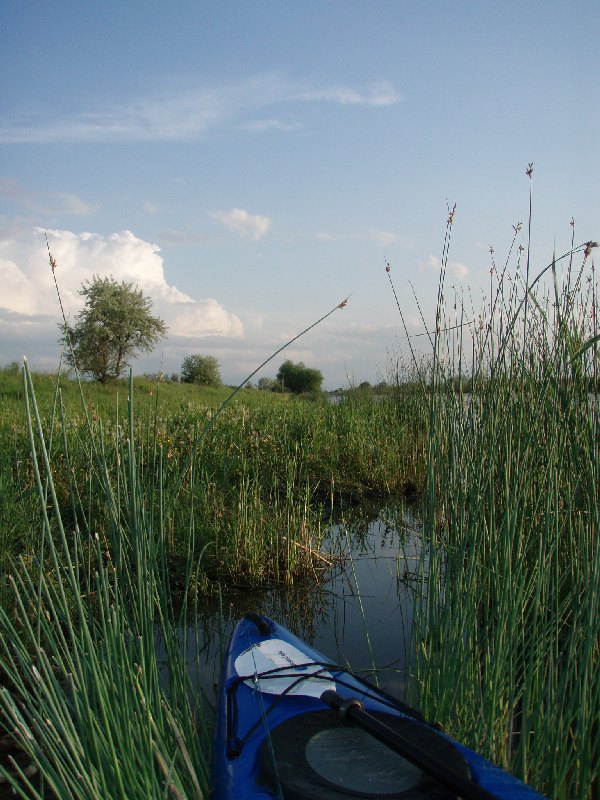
269,471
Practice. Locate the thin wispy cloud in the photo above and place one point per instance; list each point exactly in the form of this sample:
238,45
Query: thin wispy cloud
323,236
375,236
380,238
265,125
175,236
190,115
381,93
454,269
44,202
244,224
71,204
14,191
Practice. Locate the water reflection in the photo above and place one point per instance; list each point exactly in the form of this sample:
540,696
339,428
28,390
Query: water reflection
359,616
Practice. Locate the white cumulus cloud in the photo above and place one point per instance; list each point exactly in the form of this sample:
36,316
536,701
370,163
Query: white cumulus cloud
28,283
243,223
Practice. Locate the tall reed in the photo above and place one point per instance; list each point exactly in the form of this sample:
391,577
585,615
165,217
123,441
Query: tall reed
84,695
506,632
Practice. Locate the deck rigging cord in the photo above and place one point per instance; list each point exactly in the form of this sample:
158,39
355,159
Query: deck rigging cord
235,745
349,710
263,717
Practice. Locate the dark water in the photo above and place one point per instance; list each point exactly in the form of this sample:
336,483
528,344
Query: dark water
359,614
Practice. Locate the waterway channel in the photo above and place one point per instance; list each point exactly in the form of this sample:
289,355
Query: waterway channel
359,615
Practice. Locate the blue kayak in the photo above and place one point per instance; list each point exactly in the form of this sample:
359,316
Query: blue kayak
292,724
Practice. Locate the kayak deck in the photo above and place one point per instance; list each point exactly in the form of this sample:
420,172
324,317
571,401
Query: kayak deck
276,735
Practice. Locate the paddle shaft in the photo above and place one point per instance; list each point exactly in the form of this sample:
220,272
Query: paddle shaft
352,711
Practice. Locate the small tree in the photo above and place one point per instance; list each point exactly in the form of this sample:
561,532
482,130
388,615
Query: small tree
114,325
203,370
298,378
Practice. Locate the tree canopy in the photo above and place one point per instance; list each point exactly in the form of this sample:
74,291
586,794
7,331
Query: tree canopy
203,370
298,378
267,384
113,327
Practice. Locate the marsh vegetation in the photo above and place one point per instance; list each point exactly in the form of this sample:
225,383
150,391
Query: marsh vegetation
506,636
123,506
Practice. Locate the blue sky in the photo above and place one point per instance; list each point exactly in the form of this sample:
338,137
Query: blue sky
251,164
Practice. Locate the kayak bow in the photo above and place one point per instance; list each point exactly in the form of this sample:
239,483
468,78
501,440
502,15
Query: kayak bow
291,724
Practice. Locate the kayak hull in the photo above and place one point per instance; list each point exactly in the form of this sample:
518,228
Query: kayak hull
275,737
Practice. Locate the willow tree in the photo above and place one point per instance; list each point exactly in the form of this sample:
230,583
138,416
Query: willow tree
202,370
114,326
298,378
